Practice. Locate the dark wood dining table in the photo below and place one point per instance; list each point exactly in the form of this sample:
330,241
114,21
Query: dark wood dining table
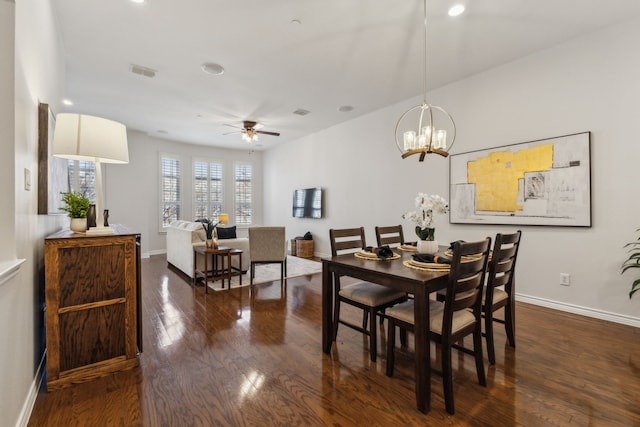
393,274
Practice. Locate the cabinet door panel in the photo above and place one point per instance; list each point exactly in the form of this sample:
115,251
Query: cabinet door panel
90,274
90,336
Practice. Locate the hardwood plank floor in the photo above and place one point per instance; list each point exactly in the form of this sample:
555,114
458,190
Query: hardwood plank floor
238,359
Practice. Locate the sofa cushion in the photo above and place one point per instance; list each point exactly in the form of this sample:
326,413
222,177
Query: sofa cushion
226,232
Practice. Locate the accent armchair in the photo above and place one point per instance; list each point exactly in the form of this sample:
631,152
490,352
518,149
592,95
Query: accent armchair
268,245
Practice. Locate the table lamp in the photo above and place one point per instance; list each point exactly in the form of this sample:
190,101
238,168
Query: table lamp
223,218
89,138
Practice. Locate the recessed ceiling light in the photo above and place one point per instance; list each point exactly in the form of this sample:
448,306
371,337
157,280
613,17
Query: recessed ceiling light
162,131
456,10
295,22
137,1
345,108
67,102
212,68
301,112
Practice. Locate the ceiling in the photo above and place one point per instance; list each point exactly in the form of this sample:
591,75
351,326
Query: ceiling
367,54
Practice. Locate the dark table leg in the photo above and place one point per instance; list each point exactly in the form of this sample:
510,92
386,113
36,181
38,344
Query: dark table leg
327,307
422,349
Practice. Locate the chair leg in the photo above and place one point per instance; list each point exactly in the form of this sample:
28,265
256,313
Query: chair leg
447,375
336,317
365,319
252,273
477,352
510,322
282,273
488,330
391,343
403,338
373,335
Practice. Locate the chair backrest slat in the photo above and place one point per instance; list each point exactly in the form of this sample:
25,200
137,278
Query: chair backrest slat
389,235
346,240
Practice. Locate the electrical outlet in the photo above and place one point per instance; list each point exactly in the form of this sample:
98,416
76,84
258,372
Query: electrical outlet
565,279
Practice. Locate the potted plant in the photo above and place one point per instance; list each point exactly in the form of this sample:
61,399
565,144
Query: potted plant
77,206
426,206
633,262
210,231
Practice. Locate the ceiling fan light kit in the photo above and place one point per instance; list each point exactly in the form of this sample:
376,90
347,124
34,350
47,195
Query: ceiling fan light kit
251,129
433,129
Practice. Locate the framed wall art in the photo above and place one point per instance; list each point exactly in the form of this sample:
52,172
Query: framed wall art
53,172
544,182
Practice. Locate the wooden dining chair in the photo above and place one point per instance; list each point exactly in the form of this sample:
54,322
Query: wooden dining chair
450,321
390,235
499,290
369,297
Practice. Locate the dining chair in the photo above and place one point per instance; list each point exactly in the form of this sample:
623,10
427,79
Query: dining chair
455,318
267,245
499,290
389,235
369,297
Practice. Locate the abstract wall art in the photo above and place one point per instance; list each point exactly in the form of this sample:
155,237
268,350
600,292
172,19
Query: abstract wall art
543,182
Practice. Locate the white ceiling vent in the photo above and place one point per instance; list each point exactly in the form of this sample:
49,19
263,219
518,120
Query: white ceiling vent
301,112
143,71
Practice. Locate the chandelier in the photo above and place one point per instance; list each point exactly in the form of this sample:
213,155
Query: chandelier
425,128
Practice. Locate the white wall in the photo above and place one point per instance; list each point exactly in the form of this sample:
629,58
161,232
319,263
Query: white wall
588,84
37,75
132,193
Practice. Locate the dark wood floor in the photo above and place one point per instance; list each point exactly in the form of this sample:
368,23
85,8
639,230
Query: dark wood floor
238,359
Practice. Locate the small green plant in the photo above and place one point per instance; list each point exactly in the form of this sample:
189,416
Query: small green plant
633,262
77,204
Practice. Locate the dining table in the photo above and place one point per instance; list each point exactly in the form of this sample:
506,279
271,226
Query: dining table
392,273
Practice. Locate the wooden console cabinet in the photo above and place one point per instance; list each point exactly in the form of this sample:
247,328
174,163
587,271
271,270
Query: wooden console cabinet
92,293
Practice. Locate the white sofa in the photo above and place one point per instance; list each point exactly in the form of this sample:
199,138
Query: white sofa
182,235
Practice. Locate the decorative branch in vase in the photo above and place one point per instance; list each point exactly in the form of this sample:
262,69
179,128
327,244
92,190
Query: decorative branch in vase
426,206
212,235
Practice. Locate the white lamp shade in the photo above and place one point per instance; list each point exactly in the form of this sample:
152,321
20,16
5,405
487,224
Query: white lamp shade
83,137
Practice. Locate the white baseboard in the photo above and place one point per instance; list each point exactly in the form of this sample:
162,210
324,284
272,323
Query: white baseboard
152,253
583,311
27,407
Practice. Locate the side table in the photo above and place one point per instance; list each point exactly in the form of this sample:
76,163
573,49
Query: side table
233,271
214,272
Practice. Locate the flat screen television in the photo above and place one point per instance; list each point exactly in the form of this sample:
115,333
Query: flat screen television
307,203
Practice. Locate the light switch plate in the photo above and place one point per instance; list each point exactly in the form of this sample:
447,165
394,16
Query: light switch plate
27,179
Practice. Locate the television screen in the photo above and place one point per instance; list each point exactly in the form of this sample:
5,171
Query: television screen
307,203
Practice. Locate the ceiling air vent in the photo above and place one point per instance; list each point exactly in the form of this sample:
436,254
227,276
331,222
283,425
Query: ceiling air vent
301,112
143,71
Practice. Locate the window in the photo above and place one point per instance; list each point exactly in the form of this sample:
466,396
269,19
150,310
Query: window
170,190
243,193
207,190
82,178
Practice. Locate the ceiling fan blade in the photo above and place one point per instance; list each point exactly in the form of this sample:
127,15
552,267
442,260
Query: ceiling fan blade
235,131
267,133
233,126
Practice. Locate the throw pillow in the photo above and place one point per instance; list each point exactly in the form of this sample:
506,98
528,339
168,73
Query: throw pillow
226,232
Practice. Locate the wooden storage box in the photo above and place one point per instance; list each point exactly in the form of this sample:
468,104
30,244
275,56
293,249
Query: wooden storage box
304,248
294,250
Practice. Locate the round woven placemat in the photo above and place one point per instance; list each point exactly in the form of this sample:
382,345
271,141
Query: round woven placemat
408,263
373,257
408,248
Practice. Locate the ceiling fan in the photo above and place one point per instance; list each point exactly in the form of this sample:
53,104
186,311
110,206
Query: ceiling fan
250,131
